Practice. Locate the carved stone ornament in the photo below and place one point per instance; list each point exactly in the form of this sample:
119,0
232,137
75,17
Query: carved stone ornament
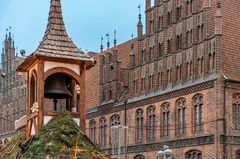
77,88
35,108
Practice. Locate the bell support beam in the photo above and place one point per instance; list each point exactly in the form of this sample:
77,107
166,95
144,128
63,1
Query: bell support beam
82,98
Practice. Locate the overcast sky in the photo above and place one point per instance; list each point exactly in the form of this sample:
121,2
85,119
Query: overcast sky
85,20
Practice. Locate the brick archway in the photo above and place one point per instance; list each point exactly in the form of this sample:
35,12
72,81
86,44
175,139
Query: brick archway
66,71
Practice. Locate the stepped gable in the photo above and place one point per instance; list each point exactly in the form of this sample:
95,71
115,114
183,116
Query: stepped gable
56,43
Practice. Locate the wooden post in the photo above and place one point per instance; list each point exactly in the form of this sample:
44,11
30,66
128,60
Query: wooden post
82,98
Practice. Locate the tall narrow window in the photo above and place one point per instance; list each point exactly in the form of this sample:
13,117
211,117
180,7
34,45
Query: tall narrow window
169,76
103,131
169,46
151,82
92,134
160,23
200,66
165,119
198,112
189,69
236,112
181,116
115,121
160,79
189,7
142,84
169,18
178,13
160,50
212,61
179,73
151,122
139,125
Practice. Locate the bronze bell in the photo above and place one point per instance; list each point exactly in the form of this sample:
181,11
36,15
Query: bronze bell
56,88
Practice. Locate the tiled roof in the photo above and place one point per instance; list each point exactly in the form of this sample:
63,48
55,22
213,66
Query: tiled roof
56,42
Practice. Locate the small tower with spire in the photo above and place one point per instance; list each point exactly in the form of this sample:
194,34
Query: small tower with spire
56,76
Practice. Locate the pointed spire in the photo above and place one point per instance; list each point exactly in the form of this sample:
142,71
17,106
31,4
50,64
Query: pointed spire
6,35
56,42
115,38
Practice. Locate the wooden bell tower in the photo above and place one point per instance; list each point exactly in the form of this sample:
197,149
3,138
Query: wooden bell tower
56,76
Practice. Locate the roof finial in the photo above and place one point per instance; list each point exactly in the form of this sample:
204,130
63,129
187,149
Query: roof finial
115,38
139,15
6,34
108,42
10,36
101,47
132,45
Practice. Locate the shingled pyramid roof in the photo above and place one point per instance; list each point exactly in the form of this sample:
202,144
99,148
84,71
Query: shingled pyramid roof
56,43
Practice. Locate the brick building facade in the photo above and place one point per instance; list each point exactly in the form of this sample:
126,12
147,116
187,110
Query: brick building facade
12,90
177,84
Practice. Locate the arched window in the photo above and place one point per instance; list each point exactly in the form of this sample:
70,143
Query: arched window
189,7
114,122
181,116
139,125
212,61
178,42
151,120
238,154
195,154
160,49
165,116
92,135
139,157
111,67
198,112
103,131
236,111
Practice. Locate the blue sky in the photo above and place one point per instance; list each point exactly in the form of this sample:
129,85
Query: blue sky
85,20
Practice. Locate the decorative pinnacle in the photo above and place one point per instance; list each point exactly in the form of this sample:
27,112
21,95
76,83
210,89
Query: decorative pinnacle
140,15
115,38
132,45
101,47
108,42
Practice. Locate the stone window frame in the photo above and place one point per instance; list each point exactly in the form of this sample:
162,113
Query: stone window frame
179,73
169,76
139,133
169,18
198,112
151,123
165,118
181,107
178,42
103,131
115,120
160,22
236,111
92,130
169,46
193,154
